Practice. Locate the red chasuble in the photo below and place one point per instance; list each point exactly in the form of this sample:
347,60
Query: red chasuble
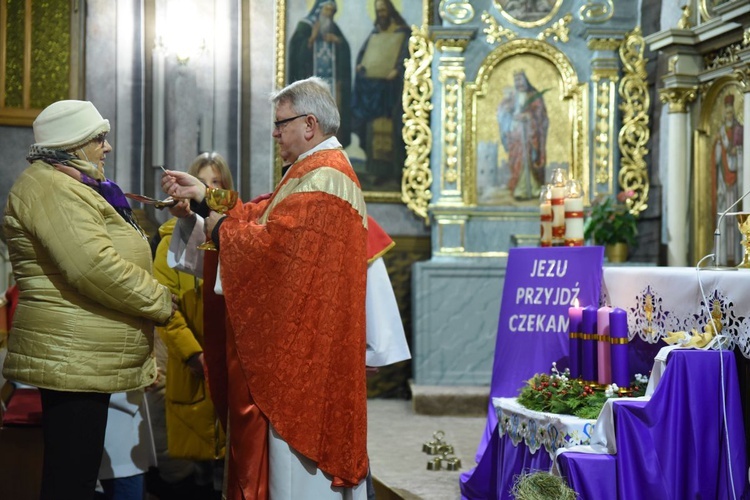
294,279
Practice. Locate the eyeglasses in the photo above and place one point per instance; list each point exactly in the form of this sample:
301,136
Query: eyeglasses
100,138
278,125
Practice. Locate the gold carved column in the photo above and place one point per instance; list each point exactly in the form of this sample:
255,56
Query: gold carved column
451,191
604,77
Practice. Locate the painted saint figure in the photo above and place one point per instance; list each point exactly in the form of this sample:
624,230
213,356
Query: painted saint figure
378,89
726,161
523,121
318,48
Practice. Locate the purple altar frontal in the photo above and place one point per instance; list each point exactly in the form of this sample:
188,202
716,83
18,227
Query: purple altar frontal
677,444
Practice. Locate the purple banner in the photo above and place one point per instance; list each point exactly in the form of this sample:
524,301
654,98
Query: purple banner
540,285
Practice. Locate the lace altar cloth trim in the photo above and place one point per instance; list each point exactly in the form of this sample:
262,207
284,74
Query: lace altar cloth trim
537,429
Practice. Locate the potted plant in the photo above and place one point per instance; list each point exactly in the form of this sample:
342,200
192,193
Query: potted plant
613,225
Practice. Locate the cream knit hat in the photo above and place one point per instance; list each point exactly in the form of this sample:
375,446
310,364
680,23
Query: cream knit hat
66,125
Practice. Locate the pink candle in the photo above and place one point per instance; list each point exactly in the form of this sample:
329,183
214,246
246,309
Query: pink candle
604,365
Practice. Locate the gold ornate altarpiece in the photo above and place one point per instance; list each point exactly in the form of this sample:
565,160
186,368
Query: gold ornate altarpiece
616,84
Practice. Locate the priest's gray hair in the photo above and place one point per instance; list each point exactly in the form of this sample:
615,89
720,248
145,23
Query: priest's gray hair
311,96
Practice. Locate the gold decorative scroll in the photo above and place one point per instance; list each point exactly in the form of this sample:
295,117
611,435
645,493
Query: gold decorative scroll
495,33
417,176
559,31
456,11
724,56
634,133
597,12
743,78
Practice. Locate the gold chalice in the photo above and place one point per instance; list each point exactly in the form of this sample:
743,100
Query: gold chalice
218,200
743,220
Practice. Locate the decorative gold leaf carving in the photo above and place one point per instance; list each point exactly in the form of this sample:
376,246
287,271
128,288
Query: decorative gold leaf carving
559,30
597,12
417,176
456,11
495,33
634,133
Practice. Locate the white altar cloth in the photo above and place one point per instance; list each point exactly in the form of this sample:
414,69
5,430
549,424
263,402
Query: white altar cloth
659,300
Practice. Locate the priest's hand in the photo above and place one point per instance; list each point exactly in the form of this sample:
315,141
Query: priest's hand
183,185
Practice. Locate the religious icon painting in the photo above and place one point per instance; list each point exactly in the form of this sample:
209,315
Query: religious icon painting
528,13
719,153
522,132
359,48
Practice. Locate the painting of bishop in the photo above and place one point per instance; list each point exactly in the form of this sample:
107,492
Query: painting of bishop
726,168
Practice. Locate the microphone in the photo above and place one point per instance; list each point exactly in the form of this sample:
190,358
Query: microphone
717,232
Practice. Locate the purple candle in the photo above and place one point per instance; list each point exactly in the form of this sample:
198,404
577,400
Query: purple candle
588,350
602,346
618,333
574,343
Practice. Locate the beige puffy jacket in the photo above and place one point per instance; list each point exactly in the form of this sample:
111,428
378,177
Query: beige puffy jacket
87,299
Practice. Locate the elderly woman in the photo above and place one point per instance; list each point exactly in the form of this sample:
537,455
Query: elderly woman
83,327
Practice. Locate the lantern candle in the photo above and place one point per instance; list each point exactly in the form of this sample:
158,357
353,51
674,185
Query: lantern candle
602,346
573,206
588,344
545,216
574,343
618,334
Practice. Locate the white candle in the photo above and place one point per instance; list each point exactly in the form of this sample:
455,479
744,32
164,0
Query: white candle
573,222
558,214
545,215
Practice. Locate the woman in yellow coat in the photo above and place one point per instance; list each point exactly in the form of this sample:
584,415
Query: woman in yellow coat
193,430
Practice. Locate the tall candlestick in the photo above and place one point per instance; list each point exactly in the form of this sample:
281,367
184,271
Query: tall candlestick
618,333
602,346
588,350
575,314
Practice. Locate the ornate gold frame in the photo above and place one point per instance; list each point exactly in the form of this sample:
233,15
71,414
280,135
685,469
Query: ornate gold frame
371,196
704,219
68,63
527,24
571,90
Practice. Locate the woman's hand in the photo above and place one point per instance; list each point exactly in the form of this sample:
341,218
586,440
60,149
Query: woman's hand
183,185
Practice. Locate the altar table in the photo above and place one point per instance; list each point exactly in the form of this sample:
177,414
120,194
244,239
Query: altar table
658,300
677,444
